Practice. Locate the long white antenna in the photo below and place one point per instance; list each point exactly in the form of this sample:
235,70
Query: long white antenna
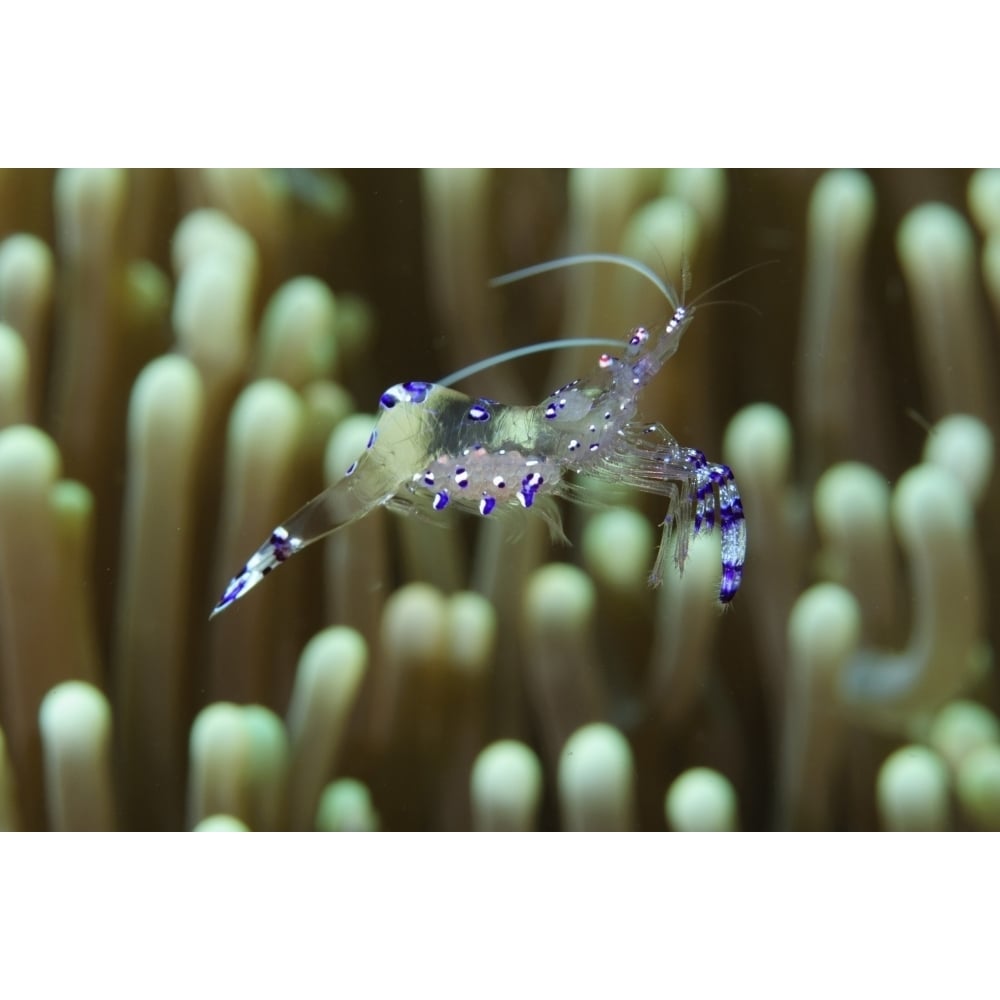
520,352
590,258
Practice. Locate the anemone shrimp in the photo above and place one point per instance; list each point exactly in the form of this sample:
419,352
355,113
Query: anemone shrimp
434,449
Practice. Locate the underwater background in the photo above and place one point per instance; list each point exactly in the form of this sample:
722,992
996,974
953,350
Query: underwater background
186,357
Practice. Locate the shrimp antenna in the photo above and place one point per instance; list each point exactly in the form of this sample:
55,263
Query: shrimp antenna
557,345
521,352
590,258
733,302
732,277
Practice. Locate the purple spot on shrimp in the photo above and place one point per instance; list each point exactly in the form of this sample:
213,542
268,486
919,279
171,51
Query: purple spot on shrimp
428,478
417,391
387,401
281,544
372,438
732,577
529,487
461,477
550,412
441,500
594,446
479,413
486,504
351,468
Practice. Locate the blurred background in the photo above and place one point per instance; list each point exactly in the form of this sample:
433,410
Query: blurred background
186,357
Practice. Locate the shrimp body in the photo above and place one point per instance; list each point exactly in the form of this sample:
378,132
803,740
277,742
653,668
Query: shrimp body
434,449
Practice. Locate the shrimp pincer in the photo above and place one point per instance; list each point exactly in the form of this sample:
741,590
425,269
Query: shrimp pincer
434,449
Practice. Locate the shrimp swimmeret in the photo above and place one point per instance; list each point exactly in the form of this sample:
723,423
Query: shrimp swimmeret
434,448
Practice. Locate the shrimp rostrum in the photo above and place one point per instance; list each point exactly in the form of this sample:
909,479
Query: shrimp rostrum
434,449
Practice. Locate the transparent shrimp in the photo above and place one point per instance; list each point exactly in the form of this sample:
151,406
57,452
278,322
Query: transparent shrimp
435,449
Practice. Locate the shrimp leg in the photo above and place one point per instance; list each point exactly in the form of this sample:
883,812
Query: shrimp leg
699,493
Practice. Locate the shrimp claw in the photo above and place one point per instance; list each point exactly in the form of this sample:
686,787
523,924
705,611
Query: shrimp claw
715,490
